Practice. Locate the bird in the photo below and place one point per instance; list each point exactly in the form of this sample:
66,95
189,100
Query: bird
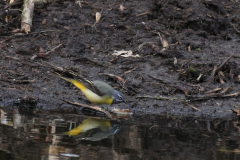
89,124
97,92
105,126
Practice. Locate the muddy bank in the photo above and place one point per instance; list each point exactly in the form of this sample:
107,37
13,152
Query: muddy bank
201,36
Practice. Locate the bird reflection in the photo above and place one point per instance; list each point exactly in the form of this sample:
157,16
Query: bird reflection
96,129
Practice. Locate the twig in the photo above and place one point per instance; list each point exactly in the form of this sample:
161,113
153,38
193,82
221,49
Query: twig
199,77
141,14
160,80
18,81
193,107
5,40
232,95
224,62
158,98
213,95
167,98
154,83
214,90
221,77
14,58
226,90
235,28
134,68
59,69
163,40
87,106
216,69
47,53
84,59
211,79
47,64
204,97
141,45
113,76
183,89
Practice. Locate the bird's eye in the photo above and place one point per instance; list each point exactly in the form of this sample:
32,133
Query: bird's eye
120,97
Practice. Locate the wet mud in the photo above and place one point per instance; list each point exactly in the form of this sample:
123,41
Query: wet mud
196,73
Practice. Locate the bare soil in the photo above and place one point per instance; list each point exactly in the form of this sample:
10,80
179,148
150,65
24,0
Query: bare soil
178,80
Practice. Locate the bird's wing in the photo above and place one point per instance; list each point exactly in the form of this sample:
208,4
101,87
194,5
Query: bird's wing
91,85
102,88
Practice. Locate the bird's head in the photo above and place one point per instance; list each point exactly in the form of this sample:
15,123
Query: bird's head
117,97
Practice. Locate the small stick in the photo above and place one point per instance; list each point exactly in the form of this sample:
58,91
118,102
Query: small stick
59,69
226,90
14,58
220,75
141,14
87,106
224,62
193,107
47,53
235,28
5,40
211,79
158,98
113,76
199,77
232,95
18,81
167,98
160,80
214,90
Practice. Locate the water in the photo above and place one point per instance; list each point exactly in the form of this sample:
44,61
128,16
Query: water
46,137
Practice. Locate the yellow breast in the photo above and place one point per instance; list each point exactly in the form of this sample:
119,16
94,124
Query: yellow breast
94,98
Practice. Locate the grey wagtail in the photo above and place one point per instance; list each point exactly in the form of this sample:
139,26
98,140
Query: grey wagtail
98,92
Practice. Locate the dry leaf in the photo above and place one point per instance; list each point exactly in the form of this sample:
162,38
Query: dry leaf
44,21
125,53
98,16
121,7
163,40
175,61
41,50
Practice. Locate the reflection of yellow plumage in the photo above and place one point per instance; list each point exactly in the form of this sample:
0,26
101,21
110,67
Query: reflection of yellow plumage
88,124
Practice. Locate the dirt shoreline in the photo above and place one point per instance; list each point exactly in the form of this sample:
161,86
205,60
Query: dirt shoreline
179,80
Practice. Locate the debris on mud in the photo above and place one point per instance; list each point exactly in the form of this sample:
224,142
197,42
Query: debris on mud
188,52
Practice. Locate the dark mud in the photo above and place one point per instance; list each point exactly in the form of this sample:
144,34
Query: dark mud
201,35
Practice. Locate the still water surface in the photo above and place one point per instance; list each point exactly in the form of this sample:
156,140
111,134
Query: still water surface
149,137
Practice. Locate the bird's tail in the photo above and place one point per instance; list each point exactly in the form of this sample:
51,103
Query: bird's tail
75,82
